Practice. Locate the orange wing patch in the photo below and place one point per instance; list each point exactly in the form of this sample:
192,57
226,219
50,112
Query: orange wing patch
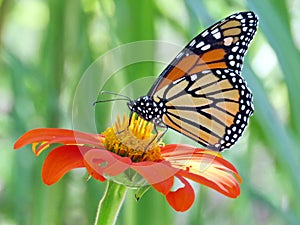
213,59
213,55
179,70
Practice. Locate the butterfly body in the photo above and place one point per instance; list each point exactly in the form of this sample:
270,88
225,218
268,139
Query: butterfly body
148,109
201,93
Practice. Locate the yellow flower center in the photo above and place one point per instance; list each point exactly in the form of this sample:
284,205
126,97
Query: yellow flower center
134,138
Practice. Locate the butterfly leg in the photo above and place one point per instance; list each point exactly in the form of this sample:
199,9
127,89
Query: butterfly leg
157,136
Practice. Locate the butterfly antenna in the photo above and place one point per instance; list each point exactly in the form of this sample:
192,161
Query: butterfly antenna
120,97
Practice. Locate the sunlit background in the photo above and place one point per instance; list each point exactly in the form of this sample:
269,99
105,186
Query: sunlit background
46,45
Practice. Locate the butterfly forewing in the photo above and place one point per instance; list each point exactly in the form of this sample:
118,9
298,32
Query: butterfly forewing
223,45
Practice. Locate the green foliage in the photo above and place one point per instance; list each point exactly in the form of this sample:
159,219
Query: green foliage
47,45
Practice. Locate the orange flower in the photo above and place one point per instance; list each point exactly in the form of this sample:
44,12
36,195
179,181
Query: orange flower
119,154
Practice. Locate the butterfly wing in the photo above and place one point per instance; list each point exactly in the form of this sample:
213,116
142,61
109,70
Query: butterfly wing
212,107
205,97
223,45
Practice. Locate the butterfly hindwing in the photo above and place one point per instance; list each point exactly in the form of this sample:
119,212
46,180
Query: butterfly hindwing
212,107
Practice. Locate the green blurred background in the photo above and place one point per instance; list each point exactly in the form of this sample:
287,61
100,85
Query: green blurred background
46,45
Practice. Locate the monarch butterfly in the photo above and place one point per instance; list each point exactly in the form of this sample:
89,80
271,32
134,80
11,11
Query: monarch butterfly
201,93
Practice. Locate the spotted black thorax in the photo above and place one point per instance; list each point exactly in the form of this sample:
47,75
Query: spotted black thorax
148,109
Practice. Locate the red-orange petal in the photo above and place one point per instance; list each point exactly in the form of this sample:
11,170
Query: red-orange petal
60,161
205,167
165,186
184,151
220,180
155,172
172,149
183,198
93,172
56,135
105,162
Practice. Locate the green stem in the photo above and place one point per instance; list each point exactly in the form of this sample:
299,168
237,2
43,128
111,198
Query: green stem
110,204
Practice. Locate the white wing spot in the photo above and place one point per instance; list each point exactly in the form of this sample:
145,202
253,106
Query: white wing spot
239,17
235,48
230,57
194,77
193,42
215,31
200,44
228,41
205,47
205,33
178,80
217,35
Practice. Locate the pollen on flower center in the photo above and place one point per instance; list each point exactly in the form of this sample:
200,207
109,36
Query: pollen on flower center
135,140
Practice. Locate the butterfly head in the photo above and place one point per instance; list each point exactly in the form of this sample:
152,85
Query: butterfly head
148,109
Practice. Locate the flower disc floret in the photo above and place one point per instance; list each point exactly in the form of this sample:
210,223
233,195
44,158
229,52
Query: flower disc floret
134,138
